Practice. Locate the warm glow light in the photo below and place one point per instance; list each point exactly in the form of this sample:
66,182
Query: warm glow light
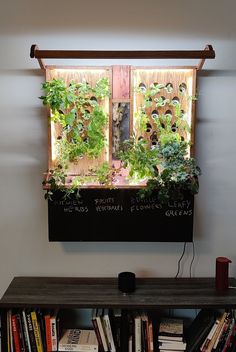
53,141
169,74
190,90
79,70
165,70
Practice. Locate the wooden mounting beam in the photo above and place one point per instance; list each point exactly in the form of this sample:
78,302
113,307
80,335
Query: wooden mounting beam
202,61
208,53
34,48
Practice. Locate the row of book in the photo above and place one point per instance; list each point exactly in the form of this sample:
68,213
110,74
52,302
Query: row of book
115,330
32,331
212,331
123,331
171,335
137,332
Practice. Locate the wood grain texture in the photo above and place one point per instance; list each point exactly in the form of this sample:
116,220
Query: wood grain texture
151,293
120,82
176,77
90,75
123,54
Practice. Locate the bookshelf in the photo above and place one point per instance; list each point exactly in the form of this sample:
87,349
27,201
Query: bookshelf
151,293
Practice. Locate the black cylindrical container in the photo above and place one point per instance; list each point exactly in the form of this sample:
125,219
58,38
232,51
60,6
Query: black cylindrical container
126,282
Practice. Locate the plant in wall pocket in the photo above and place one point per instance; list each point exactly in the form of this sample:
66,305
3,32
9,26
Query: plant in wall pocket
163,159
80,120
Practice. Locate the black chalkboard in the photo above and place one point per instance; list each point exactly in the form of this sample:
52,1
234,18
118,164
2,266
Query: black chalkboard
119,215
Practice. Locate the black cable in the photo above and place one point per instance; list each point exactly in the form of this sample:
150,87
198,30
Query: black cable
179,261
193,257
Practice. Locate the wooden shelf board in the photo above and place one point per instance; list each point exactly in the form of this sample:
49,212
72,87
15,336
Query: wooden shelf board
151,293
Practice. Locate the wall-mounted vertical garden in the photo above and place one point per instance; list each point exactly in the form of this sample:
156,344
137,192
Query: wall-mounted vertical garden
121,141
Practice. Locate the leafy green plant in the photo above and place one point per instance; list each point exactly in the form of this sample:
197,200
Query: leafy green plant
139,158
77,110
56,180
141,120
82,119
178,174
161,101
165,164
105,174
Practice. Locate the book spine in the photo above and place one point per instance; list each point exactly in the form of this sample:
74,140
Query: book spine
15,333
53,332
108,330
205,344
137,334
102,333
31,332
41,324
150,336
48,333
217,332
130,343
116,326
230,336
26,333
21,334
37,334
10,342
124,331
224,336
95,326
9,332
144,332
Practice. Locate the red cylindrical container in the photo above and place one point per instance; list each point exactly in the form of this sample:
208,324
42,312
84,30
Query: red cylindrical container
222,273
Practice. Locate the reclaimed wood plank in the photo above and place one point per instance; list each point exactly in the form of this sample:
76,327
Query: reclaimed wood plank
151,293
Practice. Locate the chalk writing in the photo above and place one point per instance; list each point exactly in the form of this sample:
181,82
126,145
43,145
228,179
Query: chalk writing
146,200
144,207
102,211
78,209
68,202
179,212
100,201
183,204
109,208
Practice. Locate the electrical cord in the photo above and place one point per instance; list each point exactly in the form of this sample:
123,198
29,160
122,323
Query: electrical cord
179,261
181,257
193,257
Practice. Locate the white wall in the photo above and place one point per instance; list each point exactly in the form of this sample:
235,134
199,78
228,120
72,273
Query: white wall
104,24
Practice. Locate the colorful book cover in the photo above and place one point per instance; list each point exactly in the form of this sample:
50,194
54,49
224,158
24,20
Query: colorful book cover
37,333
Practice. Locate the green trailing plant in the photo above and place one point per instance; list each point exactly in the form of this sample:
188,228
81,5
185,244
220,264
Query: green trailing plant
139,158
55,180
166,164
178,173
82,119
77,110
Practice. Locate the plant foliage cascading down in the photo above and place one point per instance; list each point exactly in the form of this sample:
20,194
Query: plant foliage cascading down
163,162
82,120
